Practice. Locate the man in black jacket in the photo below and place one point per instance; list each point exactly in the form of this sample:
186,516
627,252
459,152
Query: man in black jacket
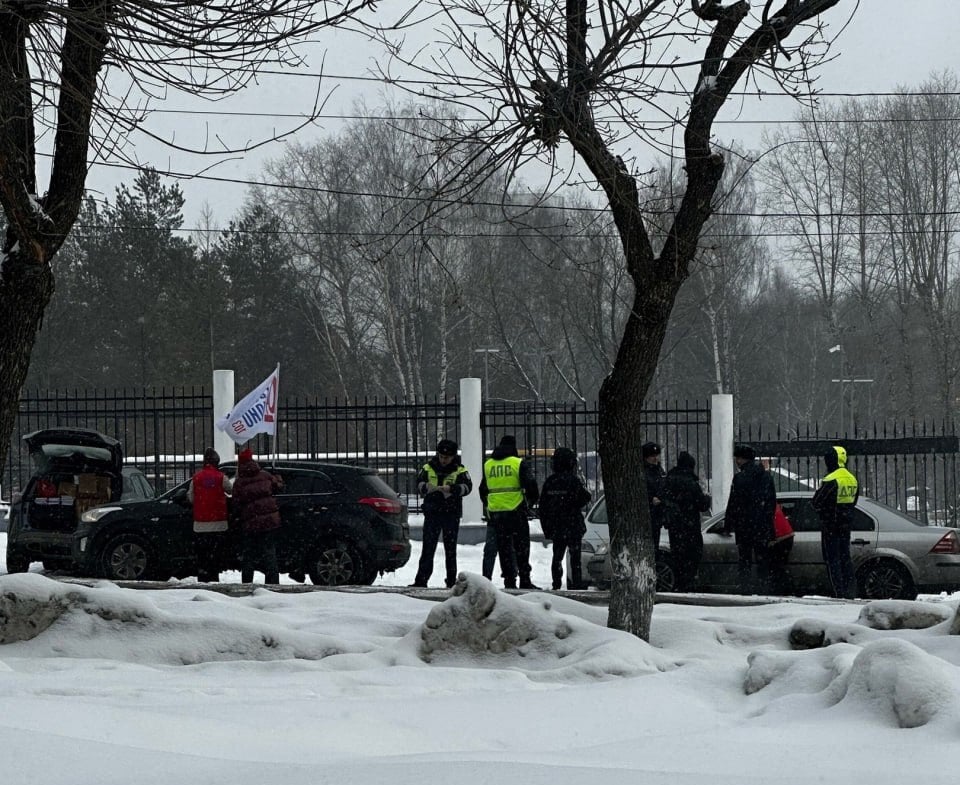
562,499
442,483
684,501
750,511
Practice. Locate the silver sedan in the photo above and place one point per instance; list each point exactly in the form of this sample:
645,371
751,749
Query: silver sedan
894,555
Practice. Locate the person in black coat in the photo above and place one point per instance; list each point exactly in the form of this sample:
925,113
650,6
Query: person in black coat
749,514
684,501
562,499
654,474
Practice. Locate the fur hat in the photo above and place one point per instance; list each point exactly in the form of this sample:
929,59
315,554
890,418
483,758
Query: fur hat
447,447
649,449
246,454
744,451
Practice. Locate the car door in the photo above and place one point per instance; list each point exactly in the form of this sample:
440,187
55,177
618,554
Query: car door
805,567
304,504
718,569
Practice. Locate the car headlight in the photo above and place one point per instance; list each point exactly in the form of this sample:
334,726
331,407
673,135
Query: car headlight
95,514
602,549
586,547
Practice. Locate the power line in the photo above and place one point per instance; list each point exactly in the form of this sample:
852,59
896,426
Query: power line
525,234
619,120
467,82
459,202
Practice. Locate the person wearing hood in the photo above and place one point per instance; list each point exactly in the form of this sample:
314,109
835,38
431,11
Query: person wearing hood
259,516
834,502
442,483
208,494
508,490
562,499
684,500
750,511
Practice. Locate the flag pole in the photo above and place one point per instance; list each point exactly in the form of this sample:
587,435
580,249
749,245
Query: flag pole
276,424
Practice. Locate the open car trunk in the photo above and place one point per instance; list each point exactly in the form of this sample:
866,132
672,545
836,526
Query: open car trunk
75,469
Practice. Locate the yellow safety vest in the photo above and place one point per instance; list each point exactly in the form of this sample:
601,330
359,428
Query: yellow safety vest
450,479
846,485
504,492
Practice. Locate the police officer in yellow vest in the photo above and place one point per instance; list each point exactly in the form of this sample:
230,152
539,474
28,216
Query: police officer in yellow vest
834,502
508,486
442,482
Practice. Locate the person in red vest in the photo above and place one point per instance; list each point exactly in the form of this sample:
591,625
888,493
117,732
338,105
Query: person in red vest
208,494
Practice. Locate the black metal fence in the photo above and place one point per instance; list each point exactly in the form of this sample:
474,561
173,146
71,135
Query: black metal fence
913,467
164,432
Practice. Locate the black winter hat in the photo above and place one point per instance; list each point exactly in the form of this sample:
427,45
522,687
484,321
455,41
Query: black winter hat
447,447
563,458
650,448
686,461
744,451
211,456
508,441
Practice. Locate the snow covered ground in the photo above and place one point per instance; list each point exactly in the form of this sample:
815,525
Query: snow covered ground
190,686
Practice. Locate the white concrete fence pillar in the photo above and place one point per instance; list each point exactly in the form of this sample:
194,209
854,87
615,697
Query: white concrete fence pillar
471,445
223,402
721,450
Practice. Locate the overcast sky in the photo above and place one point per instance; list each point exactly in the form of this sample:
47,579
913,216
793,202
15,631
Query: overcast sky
888,43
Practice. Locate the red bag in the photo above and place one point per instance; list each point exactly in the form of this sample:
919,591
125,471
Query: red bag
781,524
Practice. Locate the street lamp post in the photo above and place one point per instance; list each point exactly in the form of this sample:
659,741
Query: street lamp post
843,381
486,369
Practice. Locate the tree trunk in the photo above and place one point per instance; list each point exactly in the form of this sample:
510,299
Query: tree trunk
621,437
26,286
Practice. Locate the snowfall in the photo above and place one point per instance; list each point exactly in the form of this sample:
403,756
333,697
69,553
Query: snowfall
474,686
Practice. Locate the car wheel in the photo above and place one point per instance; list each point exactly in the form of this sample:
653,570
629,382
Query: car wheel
17,563
126,558
666,577
886,580
336,564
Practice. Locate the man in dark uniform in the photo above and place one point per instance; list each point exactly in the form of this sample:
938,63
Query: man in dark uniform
442,482
750,511
655,475
508,489
834,502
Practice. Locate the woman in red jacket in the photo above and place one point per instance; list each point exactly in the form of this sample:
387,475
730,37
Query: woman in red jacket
260,517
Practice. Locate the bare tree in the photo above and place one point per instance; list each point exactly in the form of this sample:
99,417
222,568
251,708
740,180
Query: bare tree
602,75
56,96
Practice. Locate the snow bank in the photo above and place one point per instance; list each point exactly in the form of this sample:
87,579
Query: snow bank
480,625
895,679
49,619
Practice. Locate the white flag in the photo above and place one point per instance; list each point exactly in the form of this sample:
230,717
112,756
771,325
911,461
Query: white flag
257,413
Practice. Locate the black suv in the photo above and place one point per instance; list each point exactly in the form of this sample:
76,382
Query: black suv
74,469
341,525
